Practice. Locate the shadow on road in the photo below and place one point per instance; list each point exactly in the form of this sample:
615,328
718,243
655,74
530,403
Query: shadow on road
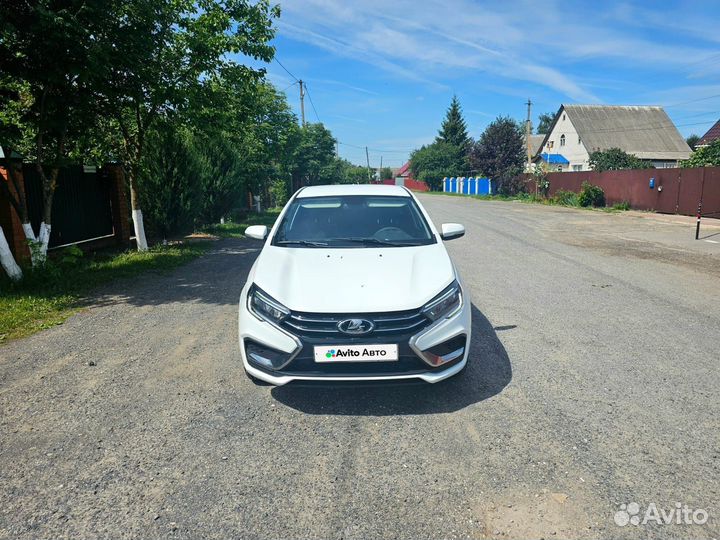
215,278
487,373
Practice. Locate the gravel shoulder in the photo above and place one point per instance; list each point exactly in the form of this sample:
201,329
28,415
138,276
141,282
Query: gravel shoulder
593,383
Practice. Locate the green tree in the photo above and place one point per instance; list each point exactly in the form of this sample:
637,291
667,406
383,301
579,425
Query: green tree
453,129
499,154
171,173
341,171
707,156
47,62
248,142
313,155
164,57
692,141
386,173
615,159
545,120
433,162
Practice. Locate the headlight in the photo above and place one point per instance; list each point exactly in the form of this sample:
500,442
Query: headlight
263,306
444,304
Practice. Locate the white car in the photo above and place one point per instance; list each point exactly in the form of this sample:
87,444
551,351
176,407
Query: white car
354,283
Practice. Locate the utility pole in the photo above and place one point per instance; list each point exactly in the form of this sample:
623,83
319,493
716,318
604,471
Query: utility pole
337,149
380,169
528,132
367,156
302,102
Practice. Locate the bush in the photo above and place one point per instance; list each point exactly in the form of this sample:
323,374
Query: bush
566,198
591,195
621,206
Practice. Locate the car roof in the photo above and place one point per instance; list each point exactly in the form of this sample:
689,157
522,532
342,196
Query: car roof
353,189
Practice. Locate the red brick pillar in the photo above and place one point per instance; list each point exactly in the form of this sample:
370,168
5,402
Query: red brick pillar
122,225
10,221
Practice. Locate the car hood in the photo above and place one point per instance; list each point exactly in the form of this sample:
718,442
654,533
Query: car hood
352,280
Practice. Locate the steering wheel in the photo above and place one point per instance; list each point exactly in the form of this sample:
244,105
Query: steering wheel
391,233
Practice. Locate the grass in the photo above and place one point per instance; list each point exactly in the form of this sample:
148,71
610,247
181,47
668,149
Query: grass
47,297
234,229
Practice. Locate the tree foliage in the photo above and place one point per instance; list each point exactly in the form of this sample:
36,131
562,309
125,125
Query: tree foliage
499,154
433,162
162,87
707,156
544,122
47,63
313,155
453,129
615,159
386,173
692,140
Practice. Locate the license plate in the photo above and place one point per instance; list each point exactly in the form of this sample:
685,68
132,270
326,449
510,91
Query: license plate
356,353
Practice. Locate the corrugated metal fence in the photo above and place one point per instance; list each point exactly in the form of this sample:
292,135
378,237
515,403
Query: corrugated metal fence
81,207
671,191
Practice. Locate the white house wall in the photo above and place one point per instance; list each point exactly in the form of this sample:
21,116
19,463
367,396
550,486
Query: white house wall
573,150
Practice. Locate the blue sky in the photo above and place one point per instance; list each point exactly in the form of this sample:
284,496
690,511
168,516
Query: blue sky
382,73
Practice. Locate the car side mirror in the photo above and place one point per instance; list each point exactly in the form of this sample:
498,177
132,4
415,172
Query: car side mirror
450,231
258,232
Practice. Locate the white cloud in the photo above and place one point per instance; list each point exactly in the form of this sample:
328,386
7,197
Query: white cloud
437,41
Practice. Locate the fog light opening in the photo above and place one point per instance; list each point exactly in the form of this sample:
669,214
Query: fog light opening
446,351
265,357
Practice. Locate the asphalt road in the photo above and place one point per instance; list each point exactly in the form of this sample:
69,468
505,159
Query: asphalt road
593,382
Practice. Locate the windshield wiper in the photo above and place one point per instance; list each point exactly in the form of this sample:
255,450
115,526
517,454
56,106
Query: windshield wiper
375,241
308,243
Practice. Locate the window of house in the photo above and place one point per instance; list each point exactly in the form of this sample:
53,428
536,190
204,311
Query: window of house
563,117
562,140
579,139
577,167
550,144
559,168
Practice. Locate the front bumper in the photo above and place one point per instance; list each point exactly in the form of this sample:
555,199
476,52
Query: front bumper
300,365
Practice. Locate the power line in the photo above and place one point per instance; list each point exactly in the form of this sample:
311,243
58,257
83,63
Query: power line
691,101
286,69
307,90
382,150
288,86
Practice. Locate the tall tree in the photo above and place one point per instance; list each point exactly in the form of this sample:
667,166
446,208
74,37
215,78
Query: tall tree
313,154
500,154
433,162
47,63
692,141
544,122
165,54
453,129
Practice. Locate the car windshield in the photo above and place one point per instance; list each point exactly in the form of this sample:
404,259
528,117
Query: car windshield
353,221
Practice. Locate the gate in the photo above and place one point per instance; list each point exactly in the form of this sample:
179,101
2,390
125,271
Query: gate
81,207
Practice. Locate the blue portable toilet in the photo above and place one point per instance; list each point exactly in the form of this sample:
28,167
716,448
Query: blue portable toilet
453,185
473,186
464,185
446,184
483,187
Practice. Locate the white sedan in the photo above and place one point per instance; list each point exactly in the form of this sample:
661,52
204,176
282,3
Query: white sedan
354,284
